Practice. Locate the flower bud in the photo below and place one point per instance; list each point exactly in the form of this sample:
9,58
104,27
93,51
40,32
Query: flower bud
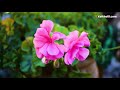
56,64
44,60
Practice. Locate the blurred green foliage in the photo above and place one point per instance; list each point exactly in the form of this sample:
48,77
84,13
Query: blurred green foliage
107,51
16,41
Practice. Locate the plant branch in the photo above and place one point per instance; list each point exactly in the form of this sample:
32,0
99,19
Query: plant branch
118,47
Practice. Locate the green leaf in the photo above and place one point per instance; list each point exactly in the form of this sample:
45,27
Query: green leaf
59,41
27,44
25,65
72,27
38,63
64,68
30,41
62,29
75,62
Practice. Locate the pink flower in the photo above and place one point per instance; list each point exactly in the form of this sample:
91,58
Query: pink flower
76,47
45,45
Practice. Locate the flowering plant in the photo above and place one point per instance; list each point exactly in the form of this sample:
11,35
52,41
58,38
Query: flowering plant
19,55
47,49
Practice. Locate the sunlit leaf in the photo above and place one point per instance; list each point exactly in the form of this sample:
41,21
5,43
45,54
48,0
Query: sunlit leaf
62,29
7,22
27,44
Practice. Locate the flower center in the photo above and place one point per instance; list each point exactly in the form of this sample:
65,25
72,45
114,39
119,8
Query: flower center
50,40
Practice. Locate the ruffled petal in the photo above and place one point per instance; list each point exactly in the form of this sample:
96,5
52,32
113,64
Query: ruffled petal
41,32
71,39
72,44
79,44
39,55
83,37
43,49
48,25
62,48
68,59
73,52
38,43
67,43
82,54
52,49
74,34
51,57
60,55
58,35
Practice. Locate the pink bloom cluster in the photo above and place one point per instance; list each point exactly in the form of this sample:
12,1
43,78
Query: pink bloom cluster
47,49
45,45
76,47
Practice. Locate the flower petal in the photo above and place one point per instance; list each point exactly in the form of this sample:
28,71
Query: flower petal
61,51
42,39
60,55
72,44
82,54
58,35
68,59
43,49
41,32
38,43
48,25
51,57
83,37
52,49
73,52
74,34
79,44
39,55
61,48
67,43
71,39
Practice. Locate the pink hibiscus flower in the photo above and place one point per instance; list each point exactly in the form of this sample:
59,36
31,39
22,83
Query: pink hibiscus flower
45,45
76,47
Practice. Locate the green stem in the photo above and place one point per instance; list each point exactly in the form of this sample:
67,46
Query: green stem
118,47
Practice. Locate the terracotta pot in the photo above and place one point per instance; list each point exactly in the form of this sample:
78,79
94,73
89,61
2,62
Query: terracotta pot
89,66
